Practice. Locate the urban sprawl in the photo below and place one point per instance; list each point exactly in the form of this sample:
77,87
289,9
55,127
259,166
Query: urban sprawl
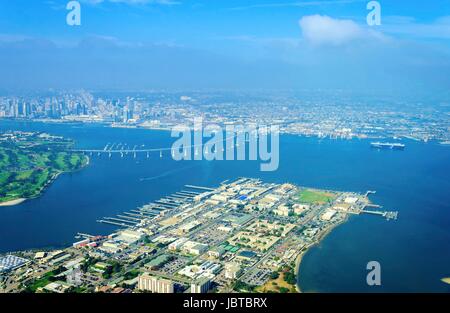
242,236
322,114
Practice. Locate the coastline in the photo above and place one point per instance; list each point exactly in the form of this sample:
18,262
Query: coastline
302,253
446,280
12,202
169,128
298,261
50,181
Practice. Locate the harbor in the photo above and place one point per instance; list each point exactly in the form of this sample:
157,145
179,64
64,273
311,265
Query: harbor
156,209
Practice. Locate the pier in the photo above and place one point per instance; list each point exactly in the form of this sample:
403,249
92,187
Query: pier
153,209
130,218
199,187
389,215
371,205
166,205
369,192
134,215
113,223
121,220
181,197
188,193
145,212
85,236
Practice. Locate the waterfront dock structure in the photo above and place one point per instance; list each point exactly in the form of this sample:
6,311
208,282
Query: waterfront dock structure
134,214
150,211
113,223
166,205
387,214
199,187
84,235
187,193
144,213
130,218
120,220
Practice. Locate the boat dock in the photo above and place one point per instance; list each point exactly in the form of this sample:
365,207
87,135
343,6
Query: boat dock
150,211
199,187
84,236
113,223
389,215
189,193
120,220
371,205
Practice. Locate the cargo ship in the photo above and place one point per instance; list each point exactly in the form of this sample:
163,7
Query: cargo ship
387,145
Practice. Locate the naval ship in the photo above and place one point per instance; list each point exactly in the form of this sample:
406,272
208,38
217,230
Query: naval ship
387,145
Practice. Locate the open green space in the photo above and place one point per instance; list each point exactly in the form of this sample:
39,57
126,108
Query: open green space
28,164
312,196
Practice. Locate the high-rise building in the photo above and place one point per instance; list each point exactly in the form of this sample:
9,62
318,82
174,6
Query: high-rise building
155,284
201,285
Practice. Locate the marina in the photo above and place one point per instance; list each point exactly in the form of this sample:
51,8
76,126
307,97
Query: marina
152,210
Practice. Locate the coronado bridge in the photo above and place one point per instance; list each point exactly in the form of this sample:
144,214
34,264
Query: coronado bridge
125,149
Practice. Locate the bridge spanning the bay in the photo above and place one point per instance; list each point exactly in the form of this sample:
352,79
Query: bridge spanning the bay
125,149
121,148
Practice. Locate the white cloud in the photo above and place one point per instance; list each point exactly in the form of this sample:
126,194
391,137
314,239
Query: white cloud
322,29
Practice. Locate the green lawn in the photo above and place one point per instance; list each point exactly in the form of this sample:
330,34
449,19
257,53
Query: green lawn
24,175
311,196
26,169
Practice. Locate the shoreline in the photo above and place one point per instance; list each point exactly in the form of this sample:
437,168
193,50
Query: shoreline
49,182
298,261
302,253
167,128
12,202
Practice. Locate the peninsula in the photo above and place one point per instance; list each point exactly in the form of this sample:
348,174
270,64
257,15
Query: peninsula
241,236
30,161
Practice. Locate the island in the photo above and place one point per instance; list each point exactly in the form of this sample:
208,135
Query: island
242,236
30,161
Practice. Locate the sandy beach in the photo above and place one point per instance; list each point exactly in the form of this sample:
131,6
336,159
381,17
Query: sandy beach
12,202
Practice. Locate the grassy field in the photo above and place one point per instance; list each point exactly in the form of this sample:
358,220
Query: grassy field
276,285
26,167
311,196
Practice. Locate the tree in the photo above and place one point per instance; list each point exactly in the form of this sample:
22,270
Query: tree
274,275
290,278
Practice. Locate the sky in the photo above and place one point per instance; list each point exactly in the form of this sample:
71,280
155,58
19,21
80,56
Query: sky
228,44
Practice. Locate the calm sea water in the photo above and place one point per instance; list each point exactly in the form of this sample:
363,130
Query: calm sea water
414,251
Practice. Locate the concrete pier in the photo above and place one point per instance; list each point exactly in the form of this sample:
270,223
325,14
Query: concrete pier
199,187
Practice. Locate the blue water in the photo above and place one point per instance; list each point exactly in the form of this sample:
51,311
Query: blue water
414,251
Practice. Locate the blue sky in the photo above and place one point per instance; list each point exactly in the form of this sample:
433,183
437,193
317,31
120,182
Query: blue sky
229,44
